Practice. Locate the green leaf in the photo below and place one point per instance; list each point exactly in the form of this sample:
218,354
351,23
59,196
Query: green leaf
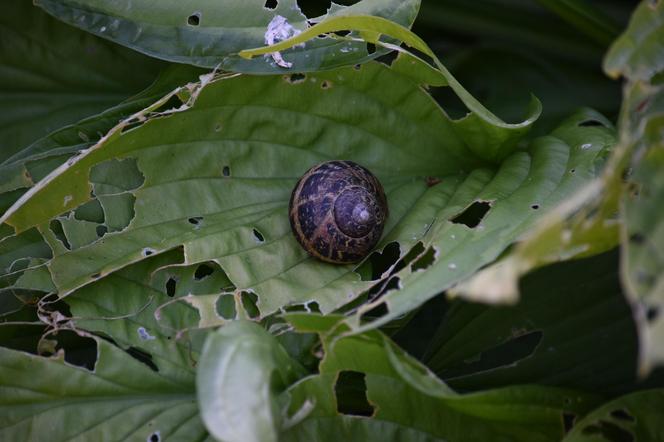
240,374
53,75
405,400
211,33
636,416
637,53
34,162
585,341
120,399
240,147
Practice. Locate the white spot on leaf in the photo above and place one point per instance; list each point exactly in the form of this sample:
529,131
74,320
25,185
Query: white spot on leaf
278,30
144,335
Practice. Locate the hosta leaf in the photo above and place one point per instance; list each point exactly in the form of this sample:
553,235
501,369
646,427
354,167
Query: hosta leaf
367,375
636,416
120,399
211,33
53,75
244,142
241,371
588,341
33,163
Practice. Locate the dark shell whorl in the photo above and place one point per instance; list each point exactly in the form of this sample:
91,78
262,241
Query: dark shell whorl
338,211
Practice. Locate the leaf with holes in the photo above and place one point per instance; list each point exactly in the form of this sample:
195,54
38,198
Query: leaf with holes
119,398
633,417
52,75
211,33
478,346
367,375
33,163
216,179
241,372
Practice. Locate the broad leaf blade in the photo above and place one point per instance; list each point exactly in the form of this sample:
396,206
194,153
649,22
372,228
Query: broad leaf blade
121,399
53,75
241,371
211,33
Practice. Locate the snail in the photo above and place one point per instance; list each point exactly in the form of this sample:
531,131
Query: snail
337,211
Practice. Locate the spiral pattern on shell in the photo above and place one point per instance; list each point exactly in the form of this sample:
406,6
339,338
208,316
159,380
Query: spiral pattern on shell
338,211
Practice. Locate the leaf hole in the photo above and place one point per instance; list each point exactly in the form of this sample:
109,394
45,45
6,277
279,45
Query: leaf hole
472,215
379,262
142,356
351,393
568,422
101,230
95,276
637,238
129,126
56,227
357,67
535,206
296,78
375,313
249,305
313,9
425,260
226,306
171,285
271,4
258,236
413,253
325,84
202,272
195,220
154,437
194,19
80,351
148,251
652,313
623,415
371,48
226,171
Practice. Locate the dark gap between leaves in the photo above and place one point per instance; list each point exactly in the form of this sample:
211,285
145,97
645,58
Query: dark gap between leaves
101,230
609,431
351,393
568,422
473,215
590,123
203,271
501,355
375,313
371,48
623,415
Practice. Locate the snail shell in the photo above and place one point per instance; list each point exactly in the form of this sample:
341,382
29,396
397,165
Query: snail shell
337,211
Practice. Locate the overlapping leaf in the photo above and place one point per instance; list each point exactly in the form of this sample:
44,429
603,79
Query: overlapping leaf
52,75
210,33
407,402
120,399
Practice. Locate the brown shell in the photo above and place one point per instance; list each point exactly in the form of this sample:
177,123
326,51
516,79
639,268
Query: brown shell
338,211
